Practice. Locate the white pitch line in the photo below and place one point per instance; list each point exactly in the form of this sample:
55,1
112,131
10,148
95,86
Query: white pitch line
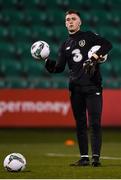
77,155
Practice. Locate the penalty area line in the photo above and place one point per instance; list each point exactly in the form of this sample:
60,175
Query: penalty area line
77,155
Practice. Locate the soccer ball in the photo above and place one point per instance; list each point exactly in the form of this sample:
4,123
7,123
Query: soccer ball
14,162
94,49
40,50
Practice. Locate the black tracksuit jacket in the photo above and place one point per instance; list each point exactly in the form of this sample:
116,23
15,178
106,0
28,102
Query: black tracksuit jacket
74,51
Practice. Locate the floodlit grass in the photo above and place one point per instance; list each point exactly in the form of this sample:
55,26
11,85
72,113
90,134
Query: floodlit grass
48,157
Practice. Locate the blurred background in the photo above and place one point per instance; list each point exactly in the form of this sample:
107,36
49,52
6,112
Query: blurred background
24,79
23,22
35,113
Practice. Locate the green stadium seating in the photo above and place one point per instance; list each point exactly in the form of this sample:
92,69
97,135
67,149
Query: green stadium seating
2,84
19,33
59,34
40,83
33,17
114,18
22,50
16,83
34,69
41,33
112,83
8,4
116,68
106,69
6,50
10,68
4,19
13,16
28,4
24,22
59,82
99,17
109,33
3,34
63,4
55,17
42,4
18,4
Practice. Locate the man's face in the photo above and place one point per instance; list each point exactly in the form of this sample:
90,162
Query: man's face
73,23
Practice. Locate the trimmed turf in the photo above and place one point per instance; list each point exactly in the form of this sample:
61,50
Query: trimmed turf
37,144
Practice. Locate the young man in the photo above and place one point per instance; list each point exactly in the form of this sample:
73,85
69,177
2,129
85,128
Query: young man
83,52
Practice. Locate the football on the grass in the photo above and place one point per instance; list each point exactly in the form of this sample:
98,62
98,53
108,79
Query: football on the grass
40,50
14,162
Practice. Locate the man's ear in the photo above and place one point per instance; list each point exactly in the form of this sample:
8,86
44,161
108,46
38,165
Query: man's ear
80,23
65,24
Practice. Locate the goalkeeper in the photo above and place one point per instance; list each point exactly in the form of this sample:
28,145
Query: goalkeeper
83,52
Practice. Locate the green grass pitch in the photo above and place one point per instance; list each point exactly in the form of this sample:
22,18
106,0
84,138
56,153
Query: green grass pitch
49,158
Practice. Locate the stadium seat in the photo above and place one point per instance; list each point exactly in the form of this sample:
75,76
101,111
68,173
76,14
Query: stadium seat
22,50
16,83
113,83
3,34
116,68
106,69
6,50
18,4
110,5
29,5
60,34
85,5
53,50
59,84
4,19
57,15
34,17
116,52
6,4
41,4
98,17
20,33
40,83
2,84
34,68
96,5
106,5
114,18
63,4
110,33
41,33
11,68
13,16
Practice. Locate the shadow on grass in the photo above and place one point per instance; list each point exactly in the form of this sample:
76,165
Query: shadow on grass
19,172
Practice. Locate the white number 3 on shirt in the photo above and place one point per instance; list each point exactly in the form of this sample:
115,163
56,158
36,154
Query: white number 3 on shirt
77,55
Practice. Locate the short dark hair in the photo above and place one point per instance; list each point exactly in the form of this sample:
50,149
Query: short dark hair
72,11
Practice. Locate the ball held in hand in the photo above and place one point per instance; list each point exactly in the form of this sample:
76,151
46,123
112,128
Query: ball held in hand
40,50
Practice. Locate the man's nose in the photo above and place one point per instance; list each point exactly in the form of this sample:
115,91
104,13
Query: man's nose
71,21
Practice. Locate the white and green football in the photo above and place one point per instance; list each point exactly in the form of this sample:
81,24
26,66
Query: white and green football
14,162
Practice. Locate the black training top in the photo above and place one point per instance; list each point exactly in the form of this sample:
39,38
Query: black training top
74,51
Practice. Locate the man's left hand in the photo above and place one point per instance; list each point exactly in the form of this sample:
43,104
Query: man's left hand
89,66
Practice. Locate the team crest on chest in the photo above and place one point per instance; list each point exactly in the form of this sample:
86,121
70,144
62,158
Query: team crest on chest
82,43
